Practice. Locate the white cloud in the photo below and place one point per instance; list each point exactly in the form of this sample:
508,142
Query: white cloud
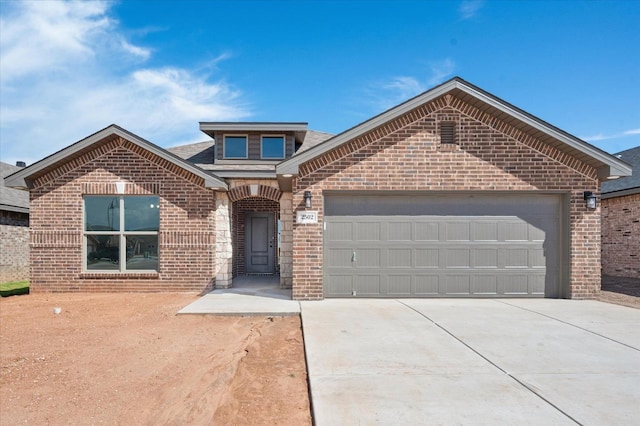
469,8
440,71
609,136
62,79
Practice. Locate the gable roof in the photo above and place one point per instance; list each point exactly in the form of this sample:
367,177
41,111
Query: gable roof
23,178
626,185
606,165
13,200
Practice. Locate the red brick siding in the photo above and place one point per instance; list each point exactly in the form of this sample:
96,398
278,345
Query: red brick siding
621,236
187,222
14,246
405,155
240,208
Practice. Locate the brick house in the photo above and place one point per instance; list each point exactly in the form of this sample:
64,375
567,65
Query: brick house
452,193
14,230
621,221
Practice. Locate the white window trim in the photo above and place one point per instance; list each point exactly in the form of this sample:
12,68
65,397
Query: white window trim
122,234
284,147
246,146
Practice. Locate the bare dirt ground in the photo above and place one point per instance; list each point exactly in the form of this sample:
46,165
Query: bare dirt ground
128,359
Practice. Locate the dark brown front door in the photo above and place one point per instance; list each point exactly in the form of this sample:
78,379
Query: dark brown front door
259,243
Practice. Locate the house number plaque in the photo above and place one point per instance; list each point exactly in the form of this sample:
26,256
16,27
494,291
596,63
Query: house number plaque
306,217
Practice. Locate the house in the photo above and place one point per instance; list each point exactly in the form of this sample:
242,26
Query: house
453,193
14,229
621,221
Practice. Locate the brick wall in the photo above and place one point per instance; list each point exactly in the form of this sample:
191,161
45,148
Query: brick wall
187,222
14,246
621,236
406,155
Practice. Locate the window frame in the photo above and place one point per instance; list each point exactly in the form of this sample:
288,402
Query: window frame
224,146
284,147
122,235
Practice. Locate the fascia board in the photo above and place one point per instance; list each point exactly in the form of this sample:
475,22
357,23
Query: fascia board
239,126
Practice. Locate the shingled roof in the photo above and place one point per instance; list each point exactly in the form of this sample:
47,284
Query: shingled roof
626,185
13,200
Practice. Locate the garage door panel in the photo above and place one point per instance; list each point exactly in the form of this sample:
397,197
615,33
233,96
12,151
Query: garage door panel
458,284
464,250
399,285
426,285
400,231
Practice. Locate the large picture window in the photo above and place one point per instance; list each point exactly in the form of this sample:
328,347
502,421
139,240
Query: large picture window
121,233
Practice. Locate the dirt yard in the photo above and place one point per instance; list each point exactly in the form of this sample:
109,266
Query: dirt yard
128,359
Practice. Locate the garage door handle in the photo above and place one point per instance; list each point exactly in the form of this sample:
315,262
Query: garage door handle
353,257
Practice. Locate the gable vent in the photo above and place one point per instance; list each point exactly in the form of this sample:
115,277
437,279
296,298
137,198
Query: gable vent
447,132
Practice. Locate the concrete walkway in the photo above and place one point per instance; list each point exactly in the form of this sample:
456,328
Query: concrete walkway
463,361
249,296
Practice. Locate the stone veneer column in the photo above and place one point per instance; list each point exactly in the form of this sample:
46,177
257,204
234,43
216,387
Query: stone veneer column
286,240
224,251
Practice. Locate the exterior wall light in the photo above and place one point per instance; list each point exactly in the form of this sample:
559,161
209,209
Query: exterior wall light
590,200
307,199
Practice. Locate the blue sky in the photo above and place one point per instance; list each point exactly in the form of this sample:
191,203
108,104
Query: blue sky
69,69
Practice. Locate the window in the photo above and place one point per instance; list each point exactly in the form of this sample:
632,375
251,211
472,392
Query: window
448,132
272,147
121,233
235,147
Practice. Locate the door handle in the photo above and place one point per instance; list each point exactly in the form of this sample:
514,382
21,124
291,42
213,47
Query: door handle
353,256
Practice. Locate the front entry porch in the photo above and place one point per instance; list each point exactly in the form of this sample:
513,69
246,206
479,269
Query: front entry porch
250,295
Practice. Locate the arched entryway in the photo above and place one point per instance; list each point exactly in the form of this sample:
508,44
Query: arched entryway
255,230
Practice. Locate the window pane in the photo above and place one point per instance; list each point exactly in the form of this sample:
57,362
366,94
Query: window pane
103,252
235,147
101,213
272,147
141,213
142,252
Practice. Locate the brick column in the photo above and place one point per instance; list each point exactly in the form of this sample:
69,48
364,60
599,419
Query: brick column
286,240
224,250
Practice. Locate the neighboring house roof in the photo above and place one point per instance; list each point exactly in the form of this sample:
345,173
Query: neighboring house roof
23,178
13,200
604,163
626,185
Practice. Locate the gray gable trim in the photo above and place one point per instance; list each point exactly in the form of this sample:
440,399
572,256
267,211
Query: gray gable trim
22,178
606,164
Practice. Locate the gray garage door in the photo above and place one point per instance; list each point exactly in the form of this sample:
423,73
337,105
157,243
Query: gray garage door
414,245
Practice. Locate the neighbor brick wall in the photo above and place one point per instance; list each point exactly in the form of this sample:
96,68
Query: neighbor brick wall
406,155
187,222
14,246
621,236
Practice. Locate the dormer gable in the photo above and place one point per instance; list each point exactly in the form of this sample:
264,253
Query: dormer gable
254,142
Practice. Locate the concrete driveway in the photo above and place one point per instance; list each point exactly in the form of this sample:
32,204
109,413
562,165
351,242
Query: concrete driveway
463,361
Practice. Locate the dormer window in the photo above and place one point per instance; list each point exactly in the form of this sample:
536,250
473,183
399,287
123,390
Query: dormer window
272,147
235,147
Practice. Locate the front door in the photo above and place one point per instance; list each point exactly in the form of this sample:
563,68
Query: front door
259,243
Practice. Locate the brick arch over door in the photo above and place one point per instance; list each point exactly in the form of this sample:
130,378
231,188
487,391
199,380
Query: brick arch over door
263,191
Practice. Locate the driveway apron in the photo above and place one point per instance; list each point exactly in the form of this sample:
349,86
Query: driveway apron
463,361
